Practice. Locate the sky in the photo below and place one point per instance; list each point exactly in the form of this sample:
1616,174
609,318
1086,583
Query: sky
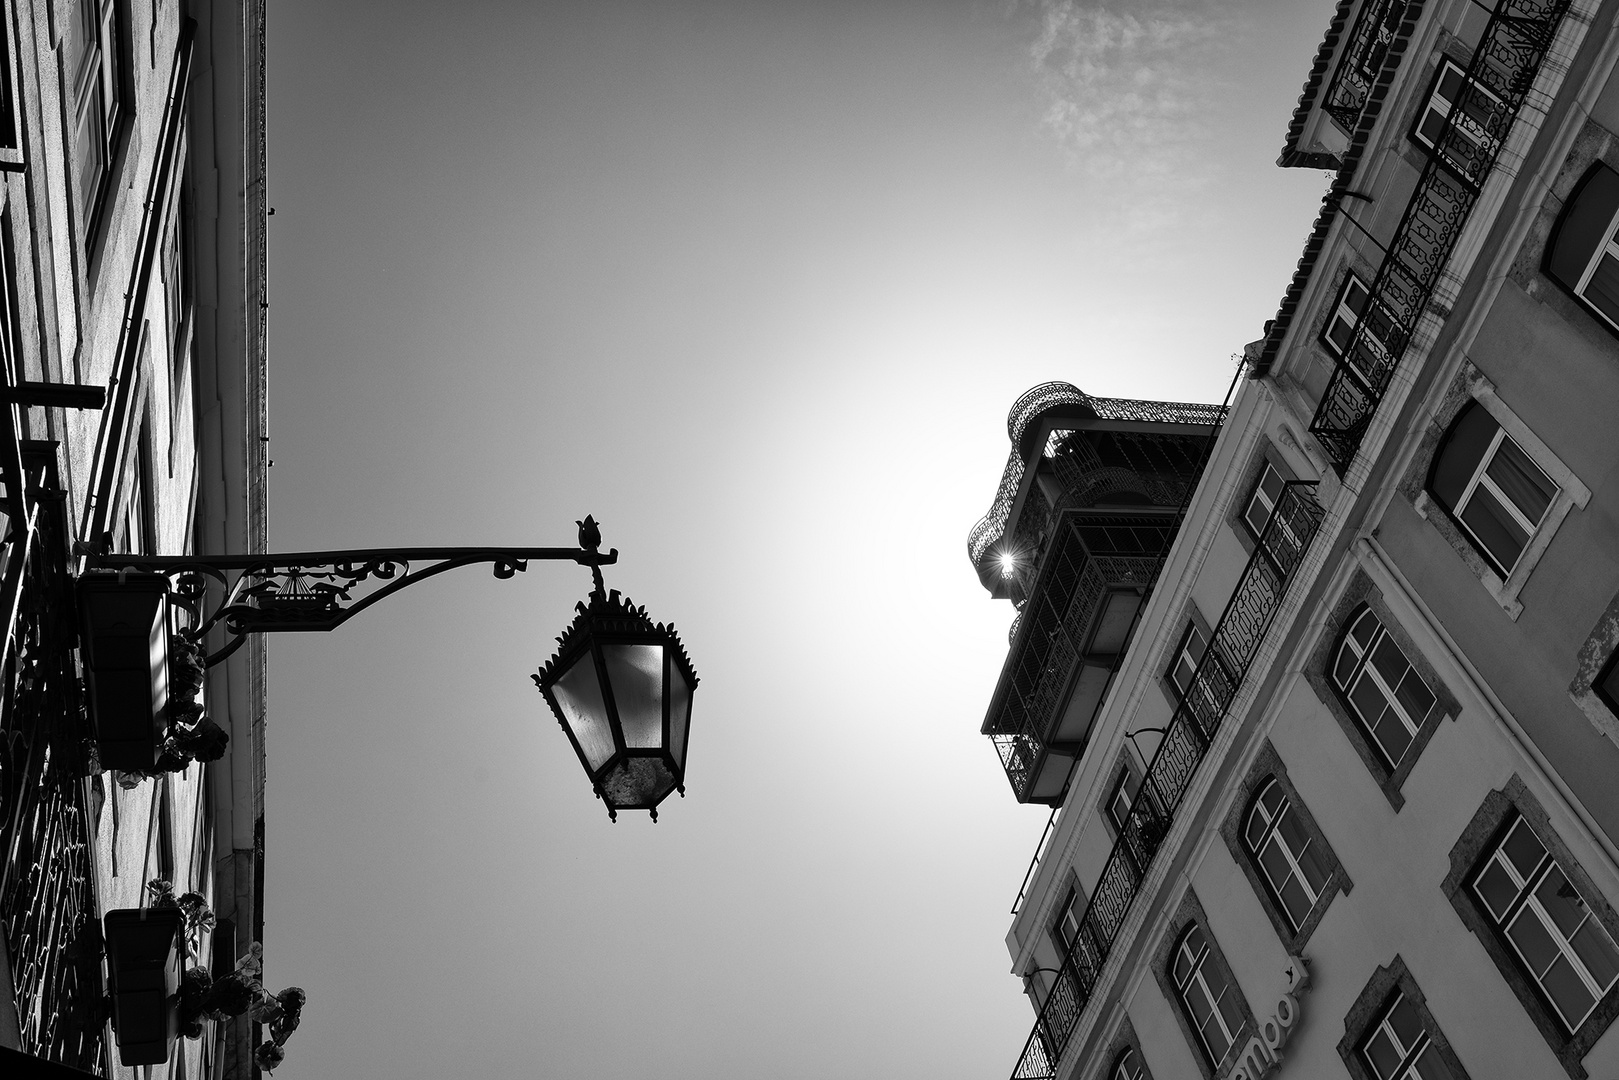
755,284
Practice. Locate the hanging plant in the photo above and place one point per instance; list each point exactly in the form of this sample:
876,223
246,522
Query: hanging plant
188,666
199,917
241,993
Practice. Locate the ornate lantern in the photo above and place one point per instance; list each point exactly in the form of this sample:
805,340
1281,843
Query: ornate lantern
621,688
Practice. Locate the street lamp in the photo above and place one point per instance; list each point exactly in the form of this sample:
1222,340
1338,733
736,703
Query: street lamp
620,685
621,688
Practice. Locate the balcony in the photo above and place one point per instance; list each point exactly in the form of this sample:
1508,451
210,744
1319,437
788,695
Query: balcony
1219,676
1085,512
1362,60
1075,625
1159,443
1498,77
47,899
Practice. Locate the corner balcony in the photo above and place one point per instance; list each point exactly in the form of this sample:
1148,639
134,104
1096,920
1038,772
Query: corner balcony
1085,513
1067,642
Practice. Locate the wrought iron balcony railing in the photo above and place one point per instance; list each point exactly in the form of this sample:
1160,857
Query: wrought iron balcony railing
47,897
1501,71
1219,675
1361,61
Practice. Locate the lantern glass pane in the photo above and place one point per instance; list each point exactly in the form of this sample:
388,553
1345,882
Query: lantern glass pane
579,694
636,674
679,713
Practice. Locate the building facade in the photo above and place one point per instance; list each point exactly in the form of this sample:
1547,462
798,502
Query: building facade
1347,807
132,421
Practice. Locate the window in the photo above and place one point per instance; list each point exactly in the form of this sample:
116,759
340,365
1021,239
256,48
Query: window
1551,929
1067,927
1400,1047
1583,255
1607,683
1193,644
1472,140
177,291
1370,356
1127,1067
1386,694
1543,923
1206,992
1495,492
1118,802
98,98
1291,862
1262,503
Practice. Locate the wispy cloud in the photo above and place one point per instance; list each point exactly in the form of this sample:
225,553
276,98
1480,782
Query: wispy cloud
1129,88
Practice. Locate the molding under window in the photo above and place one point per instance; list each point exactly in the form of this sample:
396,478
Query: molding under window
1268,764
1471,385
1477,839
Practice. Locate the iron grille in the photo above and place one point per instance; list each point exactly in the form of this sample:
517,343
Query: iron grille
1498,77
47,898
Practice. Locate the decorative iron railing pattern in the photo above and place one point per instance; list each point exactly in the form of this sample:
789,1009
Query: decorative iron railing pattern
47,898
1362,59
1040,399
1232,648
1498,77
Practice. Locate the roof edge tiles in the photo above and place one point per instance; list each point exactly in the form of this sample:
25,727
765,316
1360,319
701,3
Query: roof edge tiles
1292,157
1317,240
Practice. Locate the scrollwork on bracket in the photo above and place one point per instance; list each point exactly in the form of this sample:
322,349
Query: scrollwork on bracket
313,591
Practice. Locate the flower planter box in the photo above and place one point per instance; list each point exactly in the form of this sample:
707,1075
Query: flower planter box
143,978
124,633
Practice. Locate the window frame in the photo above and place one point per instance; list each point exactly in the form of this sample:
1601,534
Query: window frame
97,67
1200,966
1526,900
1268,768
1360,593
1410,1057
1183,655
1070,911
1387,987
1498,811
1194,622
1256,491
1471,130
1121,787
1471,385
1127,1057
1343,313
1190,911
1361,668
1607,246
1124,1043
1481,478
1607,242
1271,834
1596,663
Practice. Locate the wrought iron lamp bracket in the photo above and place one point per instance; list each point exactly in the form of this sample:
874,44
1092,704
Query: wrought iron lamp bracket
320,590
